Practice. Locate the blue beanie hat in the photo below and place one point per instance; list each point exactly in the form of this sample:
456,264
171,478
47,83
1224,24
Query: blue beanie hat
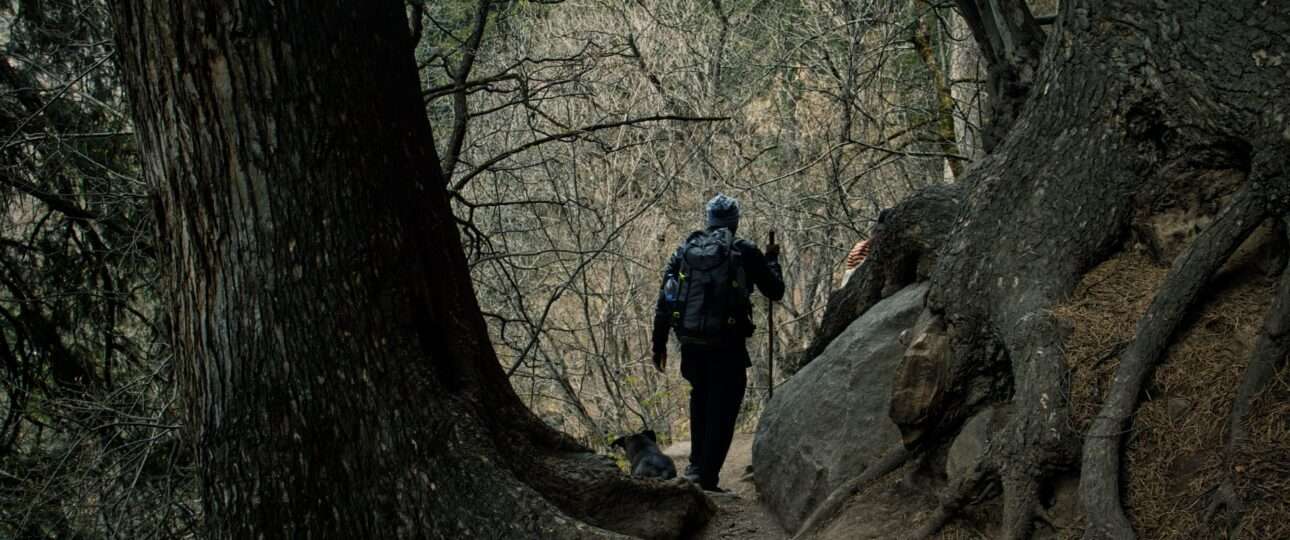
723,211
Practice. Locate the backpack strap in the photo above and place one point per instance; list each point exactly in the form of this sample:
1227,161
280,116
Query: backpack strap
684,270
736,298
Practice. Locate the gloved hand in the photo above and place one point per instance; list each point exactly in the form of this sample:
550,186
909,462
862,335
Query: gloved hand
772,251
660,360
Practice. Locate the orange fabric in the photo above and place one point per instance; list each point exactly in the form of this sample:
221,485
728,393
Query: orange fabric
858,254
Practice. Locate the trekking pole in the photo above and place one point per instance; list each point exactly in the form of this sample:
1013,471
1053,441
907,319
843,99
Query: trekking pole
770,331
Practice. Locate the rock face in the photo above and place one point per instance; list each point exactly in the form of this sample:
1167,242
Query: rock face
920,380
829,422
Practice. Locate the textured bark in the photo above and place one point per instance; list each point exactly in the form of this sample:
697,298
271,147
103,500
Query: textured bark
964,71
1011,41
336,371
1128,94
1270,351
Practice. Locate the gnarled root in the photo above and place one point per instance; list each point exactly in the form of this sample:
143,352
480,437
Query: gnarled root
1100,474
974,486
836,500
1270,352
1224,501
585,486
1019,470
1020,503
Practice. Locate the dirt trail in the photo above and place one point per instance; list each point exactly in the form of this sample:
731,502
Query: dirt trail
740,514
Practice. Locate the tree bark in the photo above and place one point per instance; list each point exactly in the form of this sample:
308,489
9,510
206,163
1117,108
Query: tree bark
336,371
1127,96
1270,352
964,74
1011,42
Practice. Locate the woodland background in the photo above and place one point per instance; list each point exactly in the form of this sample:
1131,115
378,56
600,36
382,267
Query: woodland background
580,139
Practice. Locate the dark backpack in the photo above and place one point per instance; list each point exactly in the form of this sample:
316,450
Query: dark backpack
710,304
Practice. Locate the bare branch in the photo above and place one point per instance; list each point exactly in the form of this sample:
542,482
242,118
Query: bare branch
461,183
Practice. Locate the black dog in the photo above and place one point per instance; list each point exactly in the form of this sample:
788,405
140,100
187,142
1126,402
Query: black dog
646,459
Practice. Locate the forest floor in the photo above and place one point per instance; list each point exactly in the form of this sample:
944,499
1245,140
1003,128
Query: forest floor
740,514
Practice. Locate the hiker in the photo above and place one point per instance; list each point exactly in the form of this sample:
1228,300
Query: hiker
706,300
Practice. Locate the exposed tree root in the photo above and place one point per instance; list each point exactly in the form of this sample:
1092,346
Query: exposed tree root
972,487
1019,477
1100,473
1270,352
1037,439
1020,503
591,489
836,500
1225,502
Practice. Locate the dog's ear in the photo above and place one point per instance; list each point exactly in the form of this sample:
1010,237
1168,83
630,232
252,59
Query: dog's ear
649,433
619,442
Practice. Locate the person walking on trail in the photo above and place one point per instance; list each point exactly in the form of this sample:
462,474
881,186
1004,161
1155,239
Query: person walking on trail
706,301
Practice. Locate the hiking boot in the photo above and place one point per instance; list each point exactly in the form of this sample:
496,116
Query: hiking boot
691,473
716,490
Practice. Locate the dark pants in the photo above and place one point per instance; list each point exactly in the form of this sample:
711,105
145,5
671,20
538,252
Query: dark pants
717,378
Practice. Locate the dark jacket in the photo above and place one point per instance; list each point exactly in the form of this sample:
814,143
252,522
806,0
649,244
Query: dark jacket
762,271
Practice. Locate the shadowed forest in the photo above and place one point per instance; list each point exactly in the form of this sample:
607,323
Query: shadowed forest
389,269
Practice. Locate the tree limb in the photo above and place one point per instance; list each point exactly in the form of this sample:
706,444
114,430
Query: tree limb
461,182
944,97
61,92
1011,42
460,76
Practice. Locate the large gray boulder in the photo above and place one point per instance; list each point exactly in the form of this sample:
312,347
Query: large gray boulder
829,422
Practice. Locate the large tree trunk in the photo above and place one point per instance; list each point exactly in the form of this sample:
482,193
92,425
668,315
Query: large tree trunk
1103,130
1129,99
337,374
